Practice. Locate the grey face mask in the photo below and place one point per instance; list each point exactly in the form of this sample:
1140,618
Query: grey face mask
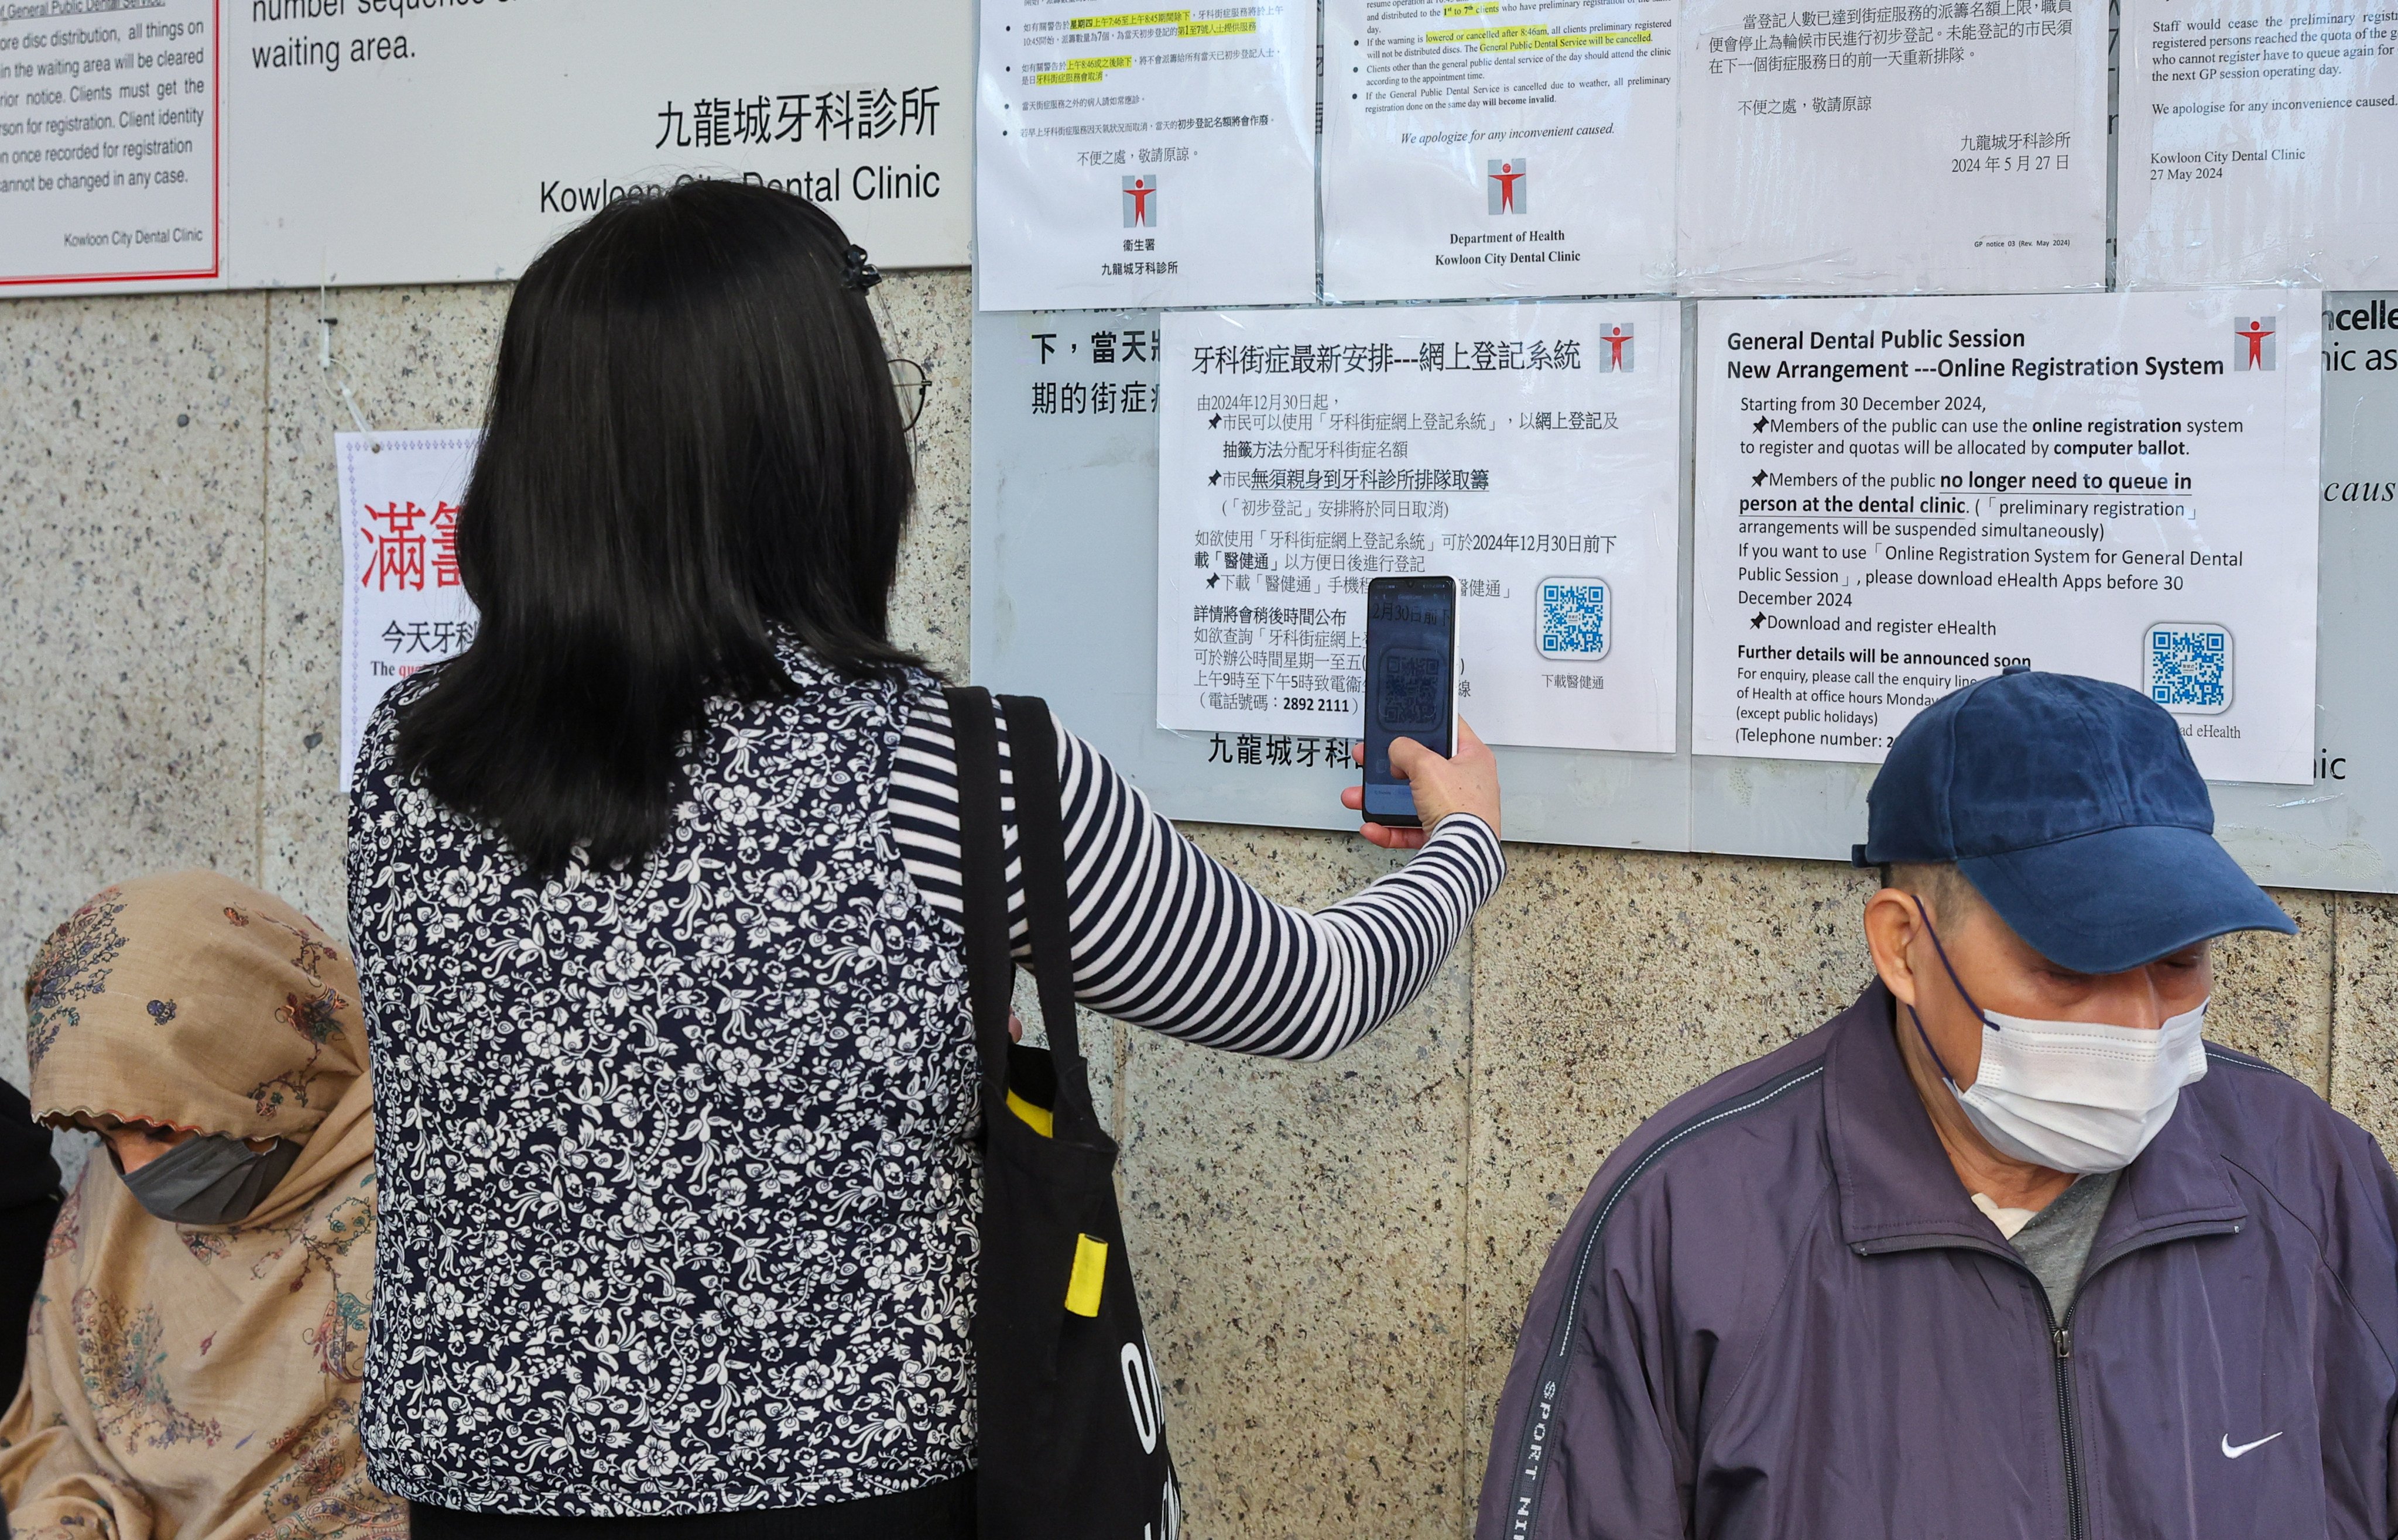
210,1179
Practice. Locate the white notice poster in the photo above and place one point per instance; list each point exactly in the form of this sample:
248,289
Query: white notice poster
1954,146
1898,497
1528,451
108,144
2259,144
1145,157
381,144
1502,147
403,606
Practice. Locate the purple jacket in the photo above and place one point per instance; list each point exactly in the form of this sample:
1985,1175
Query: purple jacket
1776,1314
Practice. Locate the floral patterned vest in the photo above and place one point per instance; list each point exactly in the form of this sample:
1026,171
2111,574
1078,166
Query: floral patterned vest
679,1193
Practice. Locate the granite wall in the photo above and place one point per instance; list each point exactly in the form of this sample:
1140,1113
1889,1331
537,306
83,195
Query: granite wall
1334,1257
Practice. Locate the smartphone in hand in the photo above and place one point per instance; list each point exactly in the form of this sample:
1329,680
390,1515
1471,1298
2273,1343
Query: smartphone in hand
1410,684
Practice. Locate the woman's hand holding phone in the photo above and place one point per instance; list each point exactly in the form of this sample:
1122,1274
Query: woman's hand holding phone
1467,784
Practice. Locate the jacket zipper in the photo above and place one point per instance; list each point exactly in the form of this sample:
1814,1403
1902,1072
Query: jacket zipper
2060,1342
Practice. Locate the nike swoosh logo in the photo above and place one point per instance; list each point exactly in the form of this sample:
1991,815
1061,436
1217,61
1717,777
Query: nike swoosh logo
2233,1452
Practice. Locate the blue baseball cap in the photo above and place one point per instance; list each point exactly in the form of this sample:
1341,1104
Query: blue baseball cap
2073,807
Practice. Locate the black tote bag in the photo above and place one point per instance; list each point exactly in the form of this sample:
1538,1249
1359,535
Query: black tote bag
1072,1439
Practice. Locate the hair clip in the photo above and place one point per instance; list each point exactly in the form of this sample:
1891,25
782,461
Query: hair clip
856,272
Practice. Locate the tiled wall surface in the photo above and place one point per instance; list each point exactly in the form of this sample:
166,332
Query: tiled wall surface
1334,1257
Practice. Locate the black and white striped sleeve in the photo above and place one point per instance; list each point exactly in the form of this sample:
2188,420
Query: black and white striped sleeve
1165,937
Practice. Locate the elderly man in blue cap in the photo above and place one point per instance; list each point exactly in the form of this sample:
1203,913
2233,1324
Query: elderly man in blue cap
2006,1249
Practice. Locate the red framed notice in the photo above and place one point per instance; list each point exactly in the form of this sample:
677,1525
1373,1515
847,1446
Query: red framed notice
112,144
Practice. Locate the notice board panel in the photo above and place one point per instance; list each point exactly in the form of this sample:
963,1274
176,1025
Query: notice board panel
1065,605
398,143
1065,584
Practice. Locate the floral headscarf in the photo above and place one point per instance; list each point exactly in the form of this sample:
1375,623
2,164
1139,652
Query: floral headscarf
199,1381
192,1001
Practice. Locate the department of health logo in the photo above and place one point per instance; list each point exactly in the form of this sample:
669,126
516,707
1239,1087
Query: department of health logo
1615,344
2251,342
1141,203
1510,190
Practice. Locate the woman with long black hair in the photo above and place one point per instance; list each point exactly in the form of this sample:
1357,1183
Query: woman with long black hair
655,898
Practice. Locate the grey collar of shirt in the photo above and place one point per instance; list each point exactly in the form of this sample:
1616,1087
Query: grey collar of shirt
2055,1243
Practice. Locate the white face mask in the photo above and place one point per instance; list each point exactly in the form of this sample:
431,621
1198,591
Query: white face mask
2074,1096
2081,1096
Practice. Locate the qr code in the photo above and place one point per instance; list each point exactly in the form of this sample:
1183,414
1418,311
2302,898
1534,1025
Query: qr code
1573,617
1411,691
2188,666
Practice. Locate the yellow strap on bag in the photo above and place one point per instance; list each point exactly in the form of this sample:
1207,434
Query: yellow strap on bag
1090,1273
1044,1122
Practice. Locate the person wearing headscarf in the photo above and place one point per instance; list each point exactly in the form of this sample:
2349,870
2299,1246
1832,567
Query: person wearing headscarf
193,1363
29,1201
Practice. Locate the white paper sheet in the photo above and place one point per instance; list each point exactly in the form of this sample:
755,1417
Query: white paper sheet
1145,157
1893,502
452,144
1529,451
1498,147
109,145
2259,144
402,605
1949,146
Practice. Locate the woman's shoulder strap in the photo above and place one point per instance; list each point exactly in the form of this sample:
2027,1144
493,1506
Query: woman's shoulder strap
982,862
1041,845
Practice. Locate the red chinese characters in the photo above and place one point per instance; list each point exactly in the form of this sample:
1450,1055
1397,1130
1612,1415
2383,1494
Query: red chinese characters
403,554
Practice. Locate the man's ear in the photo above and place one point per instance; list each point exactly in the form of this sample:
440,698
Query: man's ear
1893,922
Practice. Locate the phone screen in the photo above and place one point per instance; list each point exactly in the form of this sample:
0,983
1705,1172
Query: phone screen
1410,682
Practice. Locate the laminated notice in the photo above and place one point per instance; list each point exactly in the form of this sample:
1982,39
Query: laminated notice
2259,144
1131,158
1498,147
401,141
1897,497
109,164
1528,451
1949,146
404,604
